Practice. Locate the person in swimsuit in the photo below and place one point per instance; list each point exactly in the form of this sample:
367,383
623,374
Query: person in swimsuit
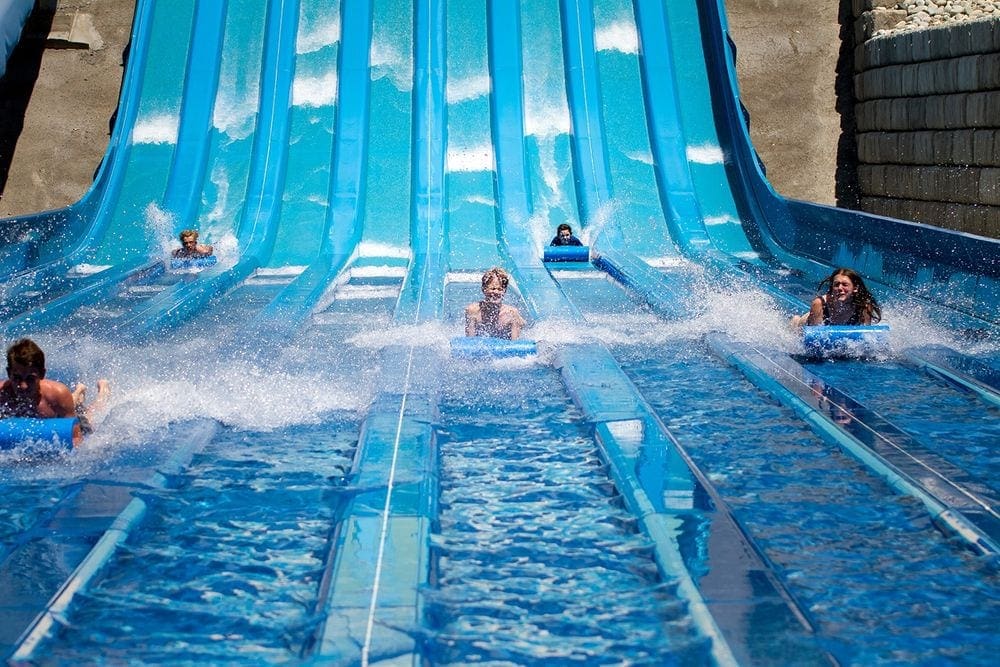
847,301
190,248
491,317
26,392
564,236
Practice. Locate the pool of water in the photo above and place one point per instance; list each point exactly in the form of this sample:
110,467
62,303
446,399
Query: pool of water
226,565
933,412
879,582
537,560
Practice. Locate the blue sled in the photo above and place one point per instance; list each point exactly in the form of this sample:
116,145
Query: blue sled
566,253
180,263
846,338
491,348
23,431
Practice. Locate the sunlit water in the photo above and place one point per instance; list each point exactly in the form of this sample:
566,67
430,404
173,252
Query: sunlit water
880,583
229,560
878,580
537,560
933,412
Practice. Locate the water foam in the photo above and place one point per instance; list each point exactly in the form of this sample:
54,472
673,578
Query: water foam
319,36
387,61
156,129
645,157
467,88
706,154
235,112
617,36
315,91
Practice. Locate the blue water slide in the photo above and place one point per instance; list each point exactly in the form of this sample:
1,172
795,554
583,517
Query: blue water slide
261,210
179,200
396,461
13,15
343,227
54,239
216,131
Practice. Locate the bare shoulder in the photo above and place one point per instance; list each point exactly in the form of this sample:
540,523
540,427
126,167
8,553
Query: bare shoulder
58,395
472,309
512,312
55,389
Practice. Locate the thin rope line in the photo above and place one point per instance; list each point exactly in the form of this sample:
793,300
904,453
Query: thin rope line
376,584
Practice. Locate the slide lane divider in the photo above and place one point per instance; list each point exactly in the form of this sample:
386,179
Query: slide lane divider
54,613
201,85
513,194
288,311
261,211
663,487
372,610
959,505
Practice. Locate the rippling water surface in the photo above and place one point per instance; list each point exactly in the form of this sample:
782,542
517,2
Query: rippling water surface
880,583
537,560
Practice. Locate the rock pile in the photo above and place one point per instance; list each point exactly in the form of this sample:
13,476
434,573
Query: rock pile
930,13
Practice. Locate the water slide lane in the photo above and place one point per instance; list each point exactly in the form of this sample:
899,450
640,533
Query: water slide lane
262,208
217,37
340,208
83,532
646,440
659,107
589,372
47,236
593,175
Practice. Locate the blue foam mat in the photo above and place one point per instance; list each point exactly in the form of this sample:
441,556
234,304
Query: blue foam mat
496,348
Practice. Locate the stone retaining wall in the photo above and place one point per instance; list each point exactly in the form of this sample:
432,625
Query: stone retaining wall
928,120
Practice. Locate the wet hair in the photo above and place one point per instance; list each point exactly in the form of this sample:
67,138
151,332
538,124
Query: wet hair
26,352
497,273
566,227
865,305
188,233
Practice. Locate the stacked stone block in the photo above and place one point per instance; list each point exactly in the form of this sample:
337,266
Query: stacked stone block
928,121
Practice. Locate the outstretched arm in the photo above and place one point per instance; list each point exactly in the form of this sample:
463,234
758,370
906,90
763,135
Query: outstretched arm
815,312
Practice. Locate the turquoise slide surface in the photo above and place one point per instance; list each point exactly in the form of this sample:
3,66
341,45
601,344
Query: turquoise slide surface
334,153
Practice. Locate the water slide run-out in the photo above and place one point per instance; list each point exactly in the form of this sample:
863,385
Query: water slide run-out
357,165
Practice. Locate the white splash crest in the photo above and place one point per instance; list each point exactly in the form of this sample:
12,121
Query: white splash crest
712,220
645,157
467,88
156,129
376,249
315,91
617,36
386,61
705,154
319,36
